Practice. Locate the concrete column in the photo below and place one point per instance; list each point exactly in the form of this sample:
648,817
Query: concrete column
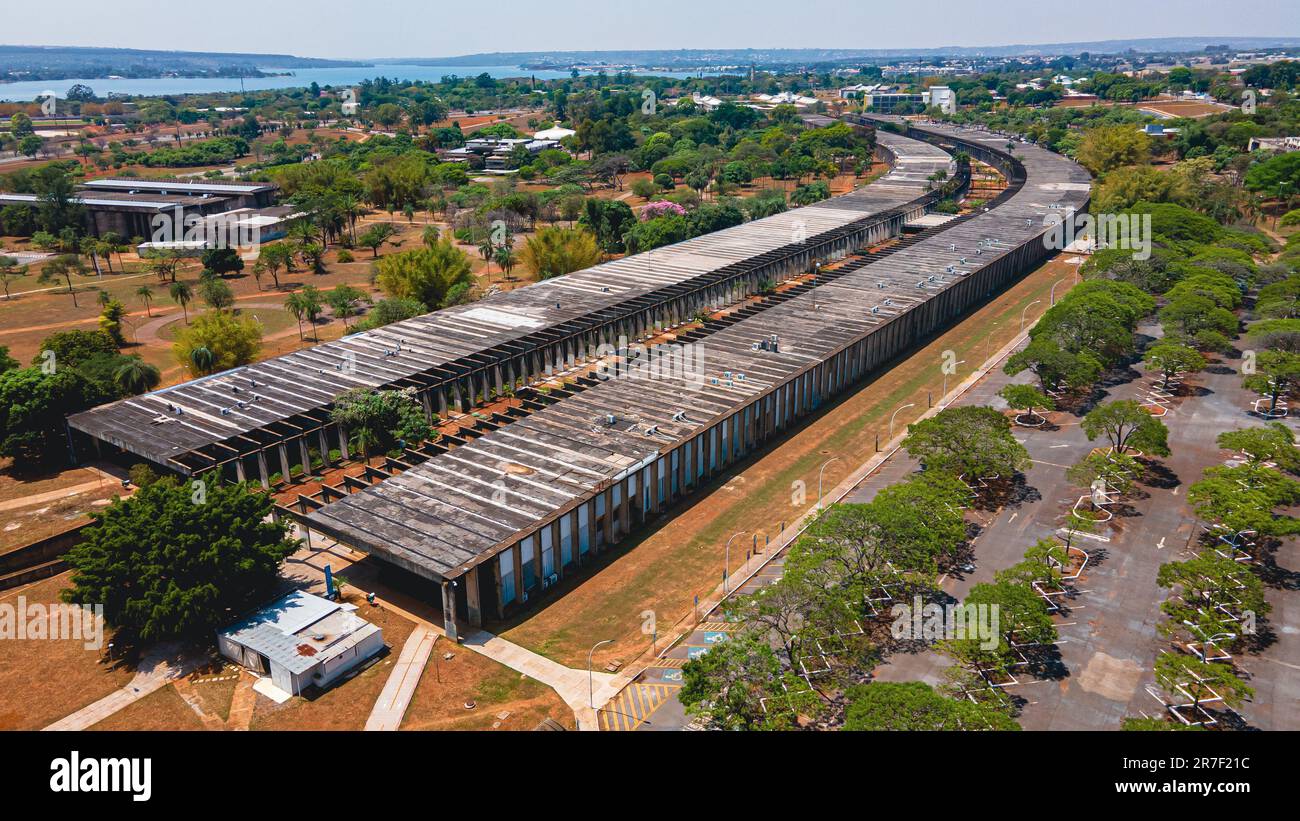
263,474
449,611
470,580
343,442
284,461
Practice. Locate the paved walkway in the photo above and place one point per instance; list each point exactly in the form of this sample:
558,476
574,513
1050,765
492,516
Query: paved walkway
392,702
156,671
572,685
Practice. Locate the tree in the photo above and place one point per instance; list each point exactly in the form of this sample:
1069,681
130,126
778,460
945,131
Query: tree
146,296
1277,373
607,220
33,405
1171,358
166,566
1273,442
231,340
343,301
555,251
182,295
1055,367
274,257
63,267
424,274
1028,397
222,261
1181,676
216,293
1022,619
135,376
9,271
375,236
737,685
381,419
914,705
1126,425
1106,147
74,348
1243,498
164,263
971,442
1119,470
387,311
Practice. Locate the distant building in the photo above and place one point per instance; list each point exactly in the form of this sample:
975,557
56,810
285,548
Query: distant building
555,134
1282,144
889,102
301,641
943,98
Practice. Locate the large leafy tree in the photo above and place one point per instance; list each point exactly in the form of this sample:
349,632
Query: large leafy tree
1273,442
378,420
231,340
176,561
33,405
1244,498
1277,373
1055,366
1126,425
915,705
429,275
556,251
1169,358
967,441
741,684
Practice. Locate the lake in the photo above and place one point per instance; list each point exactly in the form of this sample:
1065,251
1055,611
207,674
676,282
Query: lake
28,91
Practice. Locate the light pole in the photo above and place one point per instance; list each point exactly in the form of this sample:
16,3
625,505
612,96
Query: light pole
1053,294
1025,311
591,687
988,341
726,561
894,414
1207,641
819,479
945,379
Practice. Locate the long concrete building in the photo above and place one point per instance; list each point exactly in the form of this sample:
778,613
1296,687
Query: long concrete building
252,421
514,510
498,517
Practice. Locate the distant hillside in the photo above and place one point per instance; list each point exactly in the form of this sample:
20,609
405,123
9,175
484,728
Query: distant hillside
63,62
693,58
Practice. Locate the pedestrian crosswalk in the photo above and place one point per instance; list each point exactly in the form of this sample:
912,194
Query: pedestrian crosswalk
634,705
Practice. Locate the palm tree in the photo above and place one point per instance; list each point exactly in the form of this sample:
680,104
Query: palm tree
505,257
202,359
181,294
294,304
146,296
135,376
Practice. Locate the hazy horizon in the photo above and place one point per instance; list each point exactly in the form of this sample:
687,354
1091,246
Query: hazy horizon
410,29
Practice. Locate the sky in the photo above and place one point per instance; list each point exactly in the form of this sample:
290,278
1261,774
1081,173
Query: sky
444,28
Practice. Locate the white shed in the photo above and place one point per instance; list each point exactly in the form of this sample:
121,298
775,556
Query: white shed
301,640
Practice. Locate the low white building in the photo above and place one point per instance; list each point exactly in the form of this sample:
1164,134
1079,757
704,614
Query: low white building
554,134
301,640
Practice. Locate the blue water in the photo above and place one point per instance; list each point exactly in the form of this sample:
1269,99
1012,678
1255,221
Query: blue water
27,91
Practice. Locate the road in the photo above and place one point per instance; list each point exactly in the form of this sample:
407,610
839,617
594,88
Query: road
1108,641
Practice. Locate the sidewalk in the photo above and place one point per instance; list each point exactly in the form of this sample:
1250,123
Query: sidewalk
391,705
155,672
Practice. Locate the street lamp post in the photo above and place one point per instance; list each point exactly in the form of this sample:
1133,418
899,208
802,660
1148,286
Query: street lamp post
894,414
591,687
945,380
821,471
726,561
1053,294
1025,311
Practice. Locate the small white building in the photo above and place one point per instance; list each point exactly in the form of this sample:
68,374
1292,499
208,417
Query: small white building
301,640
554,134
943,98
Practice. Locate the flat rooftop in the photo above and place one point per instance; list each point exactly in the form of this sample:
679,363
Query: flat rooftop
178,186
460,508
273,393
